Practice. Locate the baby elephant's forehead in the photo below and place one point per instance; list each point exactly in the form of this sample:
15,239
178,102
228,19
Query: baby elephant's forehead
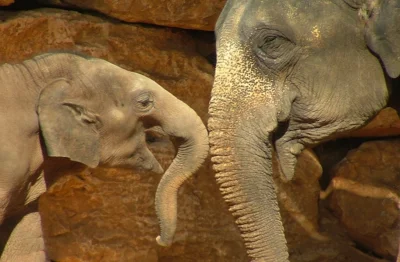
105,72
141,82
114,79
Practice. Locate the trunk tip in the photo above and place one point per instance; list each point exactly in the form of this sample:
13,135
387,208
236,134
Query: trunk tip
162,242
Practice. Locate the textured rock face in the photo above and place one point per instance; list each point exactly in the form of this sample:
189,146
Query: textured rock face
386,123
299,200
109,214
6,2
190,14
365,198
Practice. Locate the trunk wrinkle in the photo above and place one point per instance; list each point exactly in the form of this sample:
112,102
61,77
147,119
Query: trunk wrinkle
243,162
191,154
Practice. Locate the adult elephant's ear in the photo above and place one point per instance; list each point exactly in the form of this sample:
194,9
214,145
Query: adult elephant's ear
69,129
382,32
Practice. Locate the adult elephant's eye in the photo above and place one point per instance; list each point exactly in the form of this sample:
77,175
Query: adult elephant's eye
273,49
273,46
144,102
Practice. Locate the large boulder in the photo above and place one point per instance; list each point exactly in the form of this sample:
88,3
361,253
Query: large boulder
365,196
298,200
194,14
6,2
387,121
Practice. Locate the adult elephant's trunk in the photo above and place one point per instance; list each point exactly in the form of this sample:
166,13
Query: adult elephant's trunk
242,156
178,120
244,110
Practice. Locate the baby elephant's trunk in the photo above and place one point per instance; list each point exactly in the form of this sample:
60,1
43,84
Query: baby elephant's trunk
192,137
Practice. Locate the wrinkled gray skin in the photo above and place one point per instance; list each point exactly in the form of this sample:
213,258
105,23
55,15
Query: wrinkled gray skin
89,111
291,74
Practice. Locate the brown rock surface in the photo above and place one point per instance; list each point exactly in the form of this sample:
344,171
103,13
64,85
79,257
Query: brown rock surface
299,200
189,14
108,215
312,233
6,2
337,248
365,195
386,123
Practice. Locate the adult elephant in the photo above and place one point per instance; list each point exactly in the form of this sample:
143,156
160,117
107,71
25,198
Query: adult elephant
289,75
63,106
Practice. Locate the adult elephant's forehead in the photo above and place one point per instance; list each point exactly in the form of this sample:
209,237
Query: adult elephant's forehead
297,20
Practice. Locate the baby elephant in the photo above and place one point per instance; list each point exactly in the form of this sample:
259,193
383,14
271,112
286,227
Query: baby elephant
63,106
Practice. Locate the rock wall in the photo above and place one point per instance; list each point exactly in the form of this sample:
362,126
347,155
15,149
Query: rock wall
108,214
190,14
6,2
365,197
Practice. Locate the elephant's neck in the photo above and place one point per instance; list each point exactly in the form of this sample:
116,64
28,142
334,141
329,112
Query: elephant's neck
24,81
35,74
44,69
19,83
28,77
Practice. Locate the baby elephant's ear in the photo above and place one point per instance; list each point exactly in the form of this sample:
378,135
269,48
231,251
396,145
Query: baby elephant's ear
382,32
68,128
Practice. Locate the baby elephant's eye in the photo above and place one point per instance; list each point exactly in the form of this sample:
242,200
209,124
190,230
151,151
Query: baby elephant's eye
144,102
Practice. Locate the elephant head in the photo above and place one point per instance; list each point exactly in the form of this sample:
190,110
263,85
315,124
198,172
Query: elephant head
96,113
289,75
